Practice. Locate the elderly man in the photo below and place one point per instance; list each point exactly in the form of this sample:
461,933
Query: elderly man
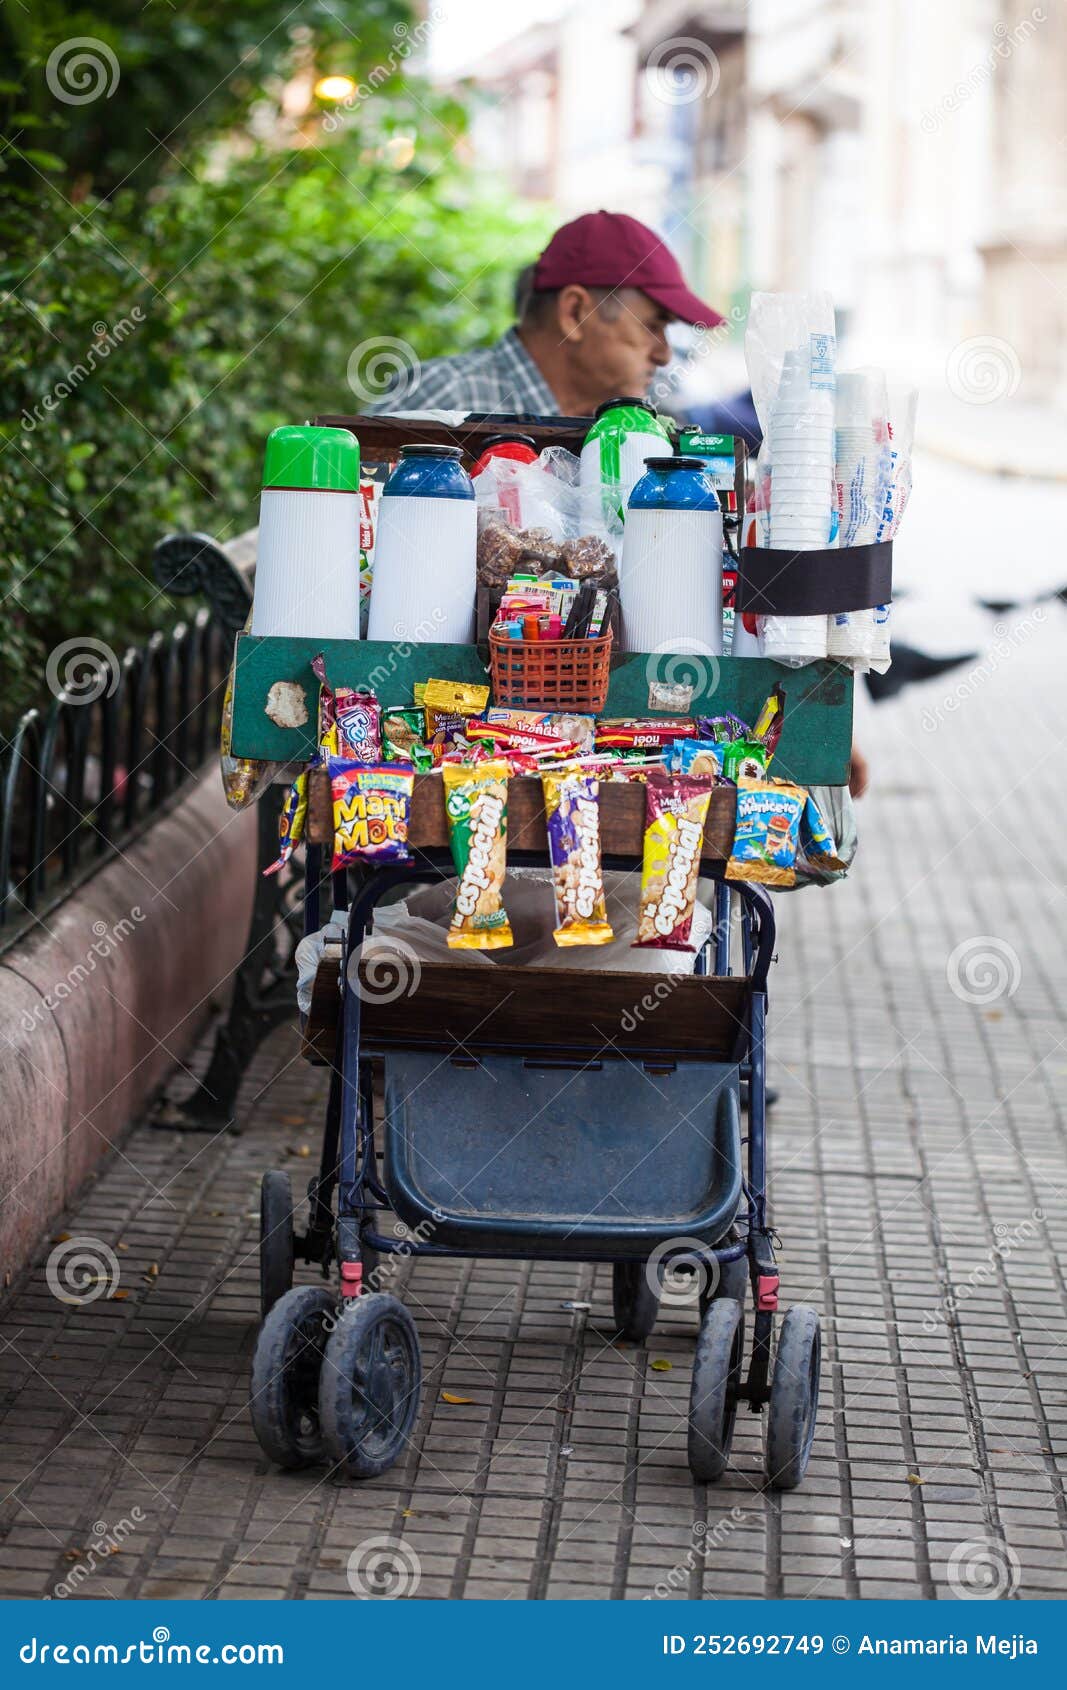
592,326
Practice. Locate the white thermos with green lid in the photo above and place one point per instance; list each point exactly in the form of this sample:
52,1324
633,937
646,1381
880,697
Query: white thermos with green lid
307,561
624,433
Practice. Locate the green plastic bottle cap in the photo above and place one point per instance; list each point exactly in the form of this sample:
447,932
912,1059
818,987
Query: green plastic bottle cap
313,459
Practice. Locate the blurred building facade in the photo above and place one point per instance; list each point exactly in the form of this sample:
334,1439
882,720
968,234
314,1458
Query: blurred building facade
910,158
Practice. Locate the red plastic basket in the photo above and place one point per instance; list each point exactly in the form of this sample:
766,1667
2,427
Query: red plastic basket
550,674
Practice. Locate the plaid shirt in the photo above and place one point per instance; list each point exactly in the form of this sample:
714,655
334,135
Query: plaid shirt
495,378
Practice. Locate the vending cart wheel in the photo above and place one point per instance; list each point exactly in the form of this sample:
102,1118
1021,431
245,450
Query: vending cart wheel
634,1301
285,1376
794,1398
730,1281
713,1395
276,1248
370,1385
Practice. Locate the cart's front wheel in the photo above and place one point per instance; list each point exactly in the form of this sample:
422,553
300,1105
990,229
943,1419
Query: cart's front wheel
285,1376
277,1250
634,1300
370,1386
713,1395
794,1398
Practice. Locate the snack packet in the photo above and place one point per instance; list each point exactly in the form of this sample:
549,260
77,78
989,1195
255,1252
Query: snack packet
722,729
744,759
371,810
291,822
402,740
448,704
572,814
638,733
766,832
350,720
476,803
768,724
698,757
675,810
817,842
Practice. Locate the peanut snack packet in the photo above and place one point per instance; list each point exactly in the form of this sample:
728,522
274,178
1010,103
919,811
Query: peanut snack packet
766,832
572,814
371,809
676,807
476,803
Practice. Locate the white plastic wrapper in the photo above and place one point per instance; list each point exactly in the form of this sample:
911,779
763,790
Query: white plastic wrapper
790,353
861,440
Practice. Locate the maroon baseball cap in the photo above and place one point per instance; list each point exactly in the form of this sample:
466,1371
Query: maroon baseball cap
607,249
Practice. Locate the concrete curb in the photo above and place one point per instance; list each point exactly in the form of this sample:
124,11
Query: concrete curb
97,1010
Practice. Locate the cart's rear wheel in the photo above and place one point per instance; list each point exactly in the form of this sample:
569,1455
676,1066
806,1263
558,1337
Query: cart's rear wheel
730,1281
285,1376
370,1385
794,1400
713,1395
635,1301
277,1250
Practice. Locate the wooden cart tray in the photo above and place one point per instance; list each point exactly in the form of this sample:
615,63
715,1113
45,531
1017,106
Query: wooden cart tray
622,817
472,1009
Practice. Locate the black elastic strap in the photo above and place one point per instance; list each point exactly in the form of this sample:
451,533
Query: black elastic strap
775,582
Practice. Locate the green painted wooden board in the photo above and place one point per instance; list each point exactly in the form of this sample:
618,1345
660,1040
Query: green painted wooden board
814,748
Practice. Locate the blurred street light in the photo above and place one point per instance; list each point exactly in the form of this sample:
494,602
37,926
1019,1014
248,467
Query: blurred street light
334,88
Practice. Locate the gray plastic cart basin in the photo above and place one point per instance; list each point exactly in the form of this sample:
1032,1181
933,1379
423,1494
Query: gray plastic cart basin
561,1162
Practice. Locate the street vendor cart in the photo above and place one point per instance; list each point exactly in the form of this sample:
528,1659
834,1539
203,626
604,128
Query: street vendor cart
527,1112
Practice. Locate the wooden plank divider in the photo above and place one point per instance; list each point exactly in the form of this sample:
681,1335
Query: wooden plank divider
622,817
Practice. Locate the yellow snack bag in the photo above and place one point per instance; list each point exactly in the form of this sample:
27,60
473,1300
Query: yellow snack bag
476,803
447,705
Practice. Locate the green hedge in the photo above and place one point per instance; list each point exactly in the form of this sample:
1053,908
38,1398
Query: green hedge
148,342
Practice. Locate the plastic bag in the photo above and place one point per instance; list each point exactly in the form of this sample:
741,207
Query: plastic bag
244,779
790,354
537,518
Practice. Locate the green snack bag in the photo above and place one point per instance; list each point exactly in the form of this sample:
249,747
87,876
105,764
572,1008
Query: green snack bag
402,740
744,759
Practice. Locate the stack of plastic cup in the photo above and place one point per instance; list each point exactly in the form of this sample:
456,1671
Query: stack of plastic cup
800,441
860,437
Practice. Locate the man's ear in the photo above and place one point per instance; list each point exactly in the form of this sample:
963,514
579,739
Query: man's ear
573,308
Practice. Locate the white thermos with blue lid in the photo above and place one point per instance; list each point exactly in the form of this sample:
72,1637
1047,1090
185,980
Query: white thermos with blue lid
670,579
423,586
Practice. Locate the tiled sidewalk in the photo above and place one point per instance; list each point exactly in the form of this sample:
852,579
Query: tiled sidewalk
917,1035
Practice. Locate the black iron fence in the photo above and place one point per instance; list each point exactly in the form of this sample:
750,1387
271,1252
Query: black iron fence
84,775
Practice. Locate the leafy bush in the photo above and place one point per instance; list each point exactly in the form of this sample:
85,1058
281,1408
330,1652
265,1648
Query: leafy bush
150,339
